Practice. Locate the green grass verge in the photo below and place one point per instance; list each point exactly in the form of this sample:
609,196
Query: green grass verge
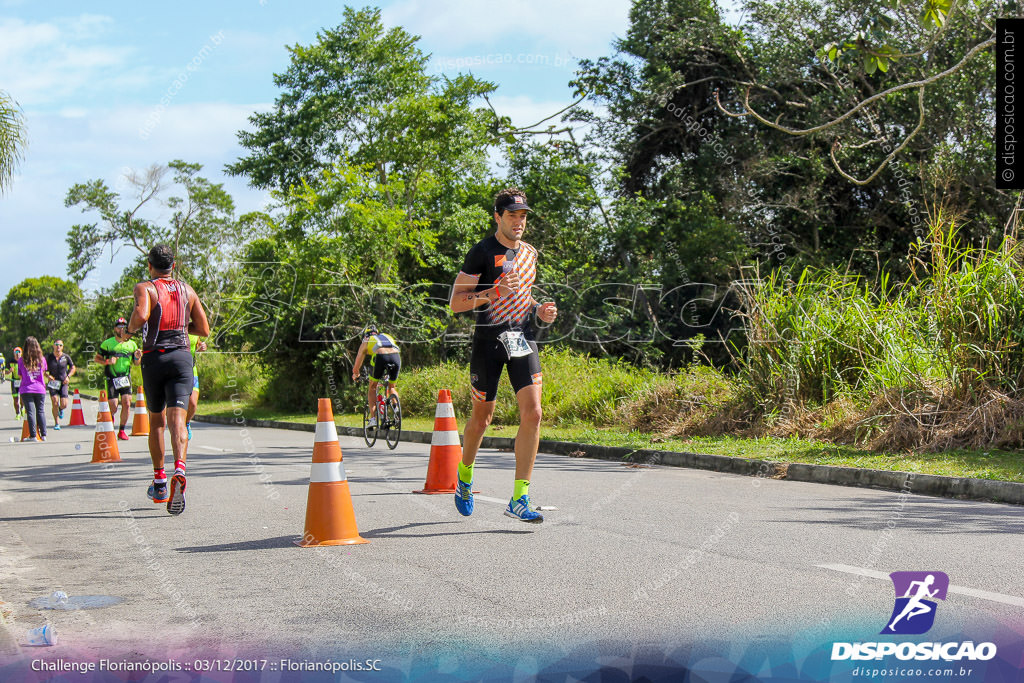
990,464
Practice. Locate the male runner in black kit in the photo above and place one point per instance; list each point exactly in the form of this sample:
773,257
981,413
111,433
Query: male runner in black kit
497,281
167,311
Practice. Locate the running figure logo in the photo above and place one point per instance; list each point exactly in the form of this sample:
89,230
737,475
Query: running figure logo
914,612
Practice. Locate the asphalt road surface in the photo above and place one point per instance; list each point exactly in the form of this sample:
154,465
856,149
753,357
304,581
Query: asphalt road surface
687,566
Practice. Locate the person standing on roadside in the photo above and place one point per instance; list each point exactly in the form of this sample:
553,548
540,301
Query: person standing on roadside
496,281
166,312
15,370
32,368
118,353
59,371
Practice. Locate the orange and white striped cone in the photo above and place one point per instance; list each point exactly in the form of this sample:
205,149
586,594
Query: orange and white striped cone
330,519
24,424
140,422
445,448
104,444
77,414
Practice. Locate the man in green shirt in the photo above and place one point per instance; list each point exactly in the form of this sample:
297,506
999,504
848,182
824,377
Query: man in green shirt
118,354
196,345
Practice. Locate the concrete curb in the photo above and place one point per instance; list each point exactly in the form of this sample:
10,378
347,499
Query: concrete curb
922,484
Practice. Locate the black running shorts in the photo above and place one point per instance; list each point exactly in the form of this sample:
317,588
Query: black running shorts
386,362
486,361
113,393
167,379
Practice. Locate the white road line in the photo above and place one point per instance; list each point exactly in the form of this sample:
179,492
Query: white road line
477,496
214,448
499,501
973,592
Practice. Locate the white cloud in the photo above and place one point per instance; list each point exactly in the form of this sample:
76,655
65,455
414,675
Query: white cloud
583,28
78,145
48,62
526,111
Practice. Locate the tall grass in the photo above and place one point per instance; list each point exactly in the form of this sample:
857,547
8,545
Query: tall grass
974,302
828,334
927,353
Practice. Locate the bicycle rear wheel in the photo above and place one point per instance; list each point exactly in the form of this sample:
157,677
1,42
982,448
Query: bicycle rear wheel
369,433
393,410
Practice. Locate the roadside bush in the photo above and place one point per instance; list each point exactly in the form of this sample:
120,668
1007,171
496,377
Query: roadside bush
224,374
576,388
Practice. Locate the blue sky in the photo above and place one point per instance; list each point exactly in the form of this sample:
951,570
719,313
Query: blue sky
90,78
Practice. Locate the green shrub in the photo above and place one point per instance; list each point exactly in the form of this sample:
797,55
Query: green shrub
223,374
576,388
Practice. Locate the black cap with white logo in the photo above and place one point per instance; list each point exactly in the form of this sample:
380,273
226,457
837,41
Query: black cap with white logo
516,202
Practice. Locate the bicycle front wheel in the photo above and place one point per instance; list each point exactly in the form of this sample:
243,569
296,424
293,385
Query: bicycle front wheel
393,408
369,432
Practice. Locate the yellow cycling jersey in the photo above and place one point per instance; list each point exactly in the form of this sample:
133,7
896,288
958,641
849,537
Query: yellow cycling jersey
380,342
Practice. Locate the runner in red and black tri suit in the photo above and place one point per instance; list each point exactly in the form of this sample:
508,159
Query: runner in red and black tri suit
167,311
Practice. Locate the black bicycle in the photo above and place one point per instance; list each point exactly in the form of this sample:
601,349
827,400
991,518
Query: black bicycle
389,416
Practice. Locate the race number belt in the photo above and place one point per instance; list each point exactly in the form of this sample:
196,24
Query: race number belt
53,384
514,343
121,382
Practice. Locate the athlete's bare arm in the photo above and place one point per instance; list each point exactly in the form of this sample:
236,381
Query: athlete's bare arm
198,325
358,365
144,294
465,299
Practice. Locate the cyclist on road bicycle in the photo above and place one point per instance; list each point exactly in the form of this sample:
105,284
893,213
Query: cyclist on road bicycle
385,357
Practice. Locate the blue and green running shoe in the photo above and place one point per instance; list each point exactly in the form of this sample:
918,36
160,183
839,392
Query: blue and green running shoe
520,509
464,498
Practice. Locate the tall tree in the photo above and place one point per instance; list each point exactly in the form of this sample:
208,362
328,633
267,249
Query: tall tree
362,93
202,227
782,192
36,307
381,171
922,41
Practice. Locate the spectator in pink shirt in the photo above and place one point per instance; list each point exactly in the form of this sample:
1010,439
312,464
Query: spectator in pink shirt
32,366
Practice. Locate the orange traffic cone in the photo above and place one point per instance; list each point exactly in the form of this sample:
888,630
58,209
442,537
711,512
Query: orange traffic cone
104,445
77,414
445,448
140,423
330,519
24,425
